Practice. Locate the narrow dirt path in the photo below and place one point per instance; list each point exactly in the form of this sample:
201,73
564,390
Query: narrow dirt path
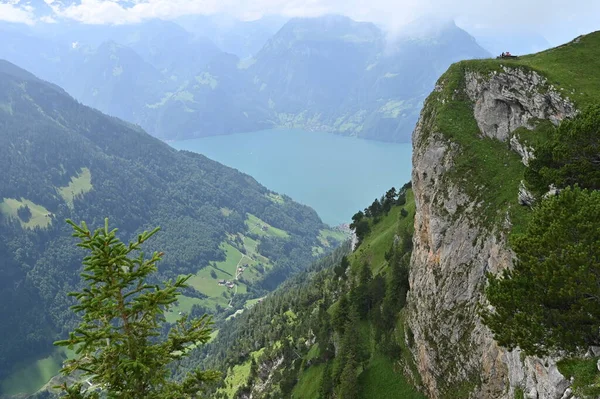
237,275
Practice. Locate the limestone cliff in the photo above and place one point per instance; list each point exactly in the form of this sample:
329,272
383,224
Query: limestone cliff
468,163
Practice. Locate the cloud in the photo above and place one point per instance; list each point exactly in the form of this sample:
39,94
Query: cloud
127,12
48,19
11,12
552,18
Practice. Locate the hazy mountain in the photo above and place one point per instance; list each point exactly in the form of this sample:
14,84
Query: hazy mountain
219,99
45,57
339,75
114,78
329,73
312,63
242,38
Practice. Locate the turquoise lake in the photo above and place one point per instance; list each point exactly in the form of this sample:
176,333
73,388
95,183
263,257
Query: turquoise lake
335,175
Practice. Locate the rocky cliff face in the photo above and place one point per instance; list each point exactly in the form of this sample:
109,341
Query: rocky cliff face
453,247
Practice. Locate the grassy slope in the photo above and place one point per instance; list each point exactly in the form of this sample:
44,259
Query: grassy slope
382,234
256,225
381,378
80,184
203,282
29,377
585,373
238,375
488,171
572,67
309,383
39,214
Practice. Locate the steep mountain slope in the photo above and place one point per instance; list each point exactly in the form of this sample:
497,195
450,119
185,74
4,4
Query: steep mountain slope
62,160
114,78
335,74
311,62
122,70
219,99
471,147
338,324
41,56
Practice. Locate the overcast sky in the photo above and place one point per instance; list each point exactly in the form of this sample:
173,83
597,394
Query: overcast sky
557,20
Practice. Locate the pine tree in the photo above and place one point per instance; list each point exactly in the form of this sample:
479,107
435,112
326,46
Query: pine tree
360,294
352,345
571,156
253,369
117,344
340,269
326,388
549,302
348,379
340,314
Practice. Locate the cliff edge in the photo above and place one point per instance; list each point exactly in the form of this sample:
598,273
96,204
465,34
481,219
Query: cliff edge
475,135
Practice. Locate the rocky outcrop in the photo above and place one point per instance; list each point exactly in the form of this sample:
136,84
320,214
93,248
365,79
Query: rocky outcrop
525,196
454,352
264,380
514,97
524,151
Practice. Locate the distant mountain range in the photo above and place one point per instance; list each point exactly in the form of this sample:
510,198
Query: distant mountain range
328,73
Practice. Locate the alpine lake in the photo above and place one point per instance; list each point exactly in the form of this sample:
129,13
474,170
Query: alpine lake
335,175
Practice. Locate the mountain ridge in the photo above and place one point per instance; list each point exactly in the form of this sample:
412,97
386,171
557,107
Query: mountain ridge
332,84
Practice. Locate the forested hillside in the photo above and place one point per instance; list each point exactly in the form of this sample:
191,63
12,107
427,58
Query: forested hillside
336,330
60,159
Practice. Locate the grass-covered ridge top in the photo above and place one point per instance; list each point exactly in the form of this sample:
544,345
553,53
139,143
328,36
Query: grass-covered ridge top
486,169
571,68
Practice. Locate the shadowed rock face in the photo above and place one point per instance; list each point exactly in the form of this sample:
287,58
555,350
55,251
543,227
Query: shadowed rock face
454,352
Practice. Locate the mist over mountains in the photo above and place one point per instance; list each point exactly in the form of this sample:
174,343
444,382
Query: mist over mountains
328,73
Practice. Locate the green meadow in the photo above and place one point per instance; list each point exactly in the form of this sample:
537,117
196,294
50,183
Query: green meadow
28,377
40,216
80,184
